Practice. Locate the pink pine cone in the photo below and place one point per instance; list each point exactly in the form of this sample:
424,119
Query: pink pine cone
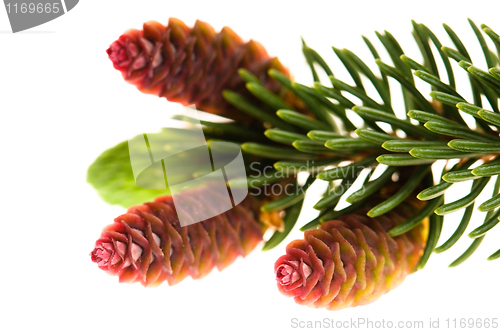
192,65
349,262
148,244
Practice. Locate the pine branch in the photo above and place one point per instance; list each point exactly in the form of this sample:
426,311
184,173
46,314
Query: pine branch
440,132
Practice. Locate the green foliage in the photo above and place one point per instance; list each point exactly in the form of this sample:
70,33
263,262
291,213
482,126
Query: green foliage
434,130
292,214
111,175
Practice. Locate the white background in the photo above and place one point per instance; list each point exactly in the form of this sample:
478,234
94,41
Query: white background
62,104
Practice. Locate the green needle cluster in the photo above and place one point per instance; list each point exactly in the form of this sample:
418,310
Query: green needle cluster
325,143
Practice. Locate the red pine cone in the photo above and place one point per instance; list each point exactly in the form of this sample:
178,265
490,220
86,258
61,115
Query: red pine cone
349,262
191,65
148,245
